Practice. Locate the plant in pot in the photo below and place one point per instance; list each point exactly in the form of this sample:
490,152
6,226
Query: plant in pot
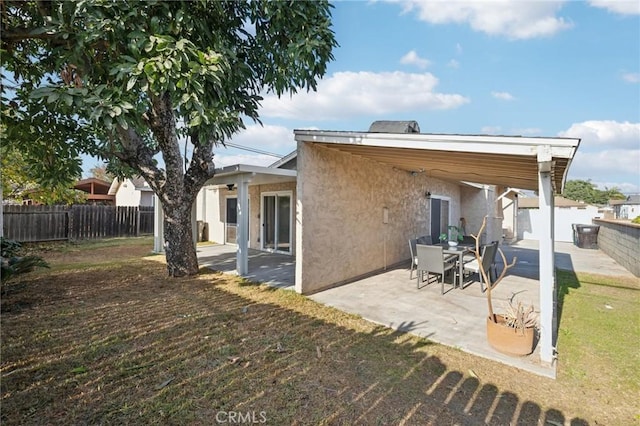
453,236
512,332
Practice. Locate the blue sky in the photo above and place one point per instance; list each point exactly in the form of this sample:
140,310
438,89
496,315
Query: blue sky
545,68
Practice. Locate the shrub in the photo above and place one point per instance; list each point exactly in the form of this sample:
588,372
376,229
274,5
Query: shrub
636,220
12,264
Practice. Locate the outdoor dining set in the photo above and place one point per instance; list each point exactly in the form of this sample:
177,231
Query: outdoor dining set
432,262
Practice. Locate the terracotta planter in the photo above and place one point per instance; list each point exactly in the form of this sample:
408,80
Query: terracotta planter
508,340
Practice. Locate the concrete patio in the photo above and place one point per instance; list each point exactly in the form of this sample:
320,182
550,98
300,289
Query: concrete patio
456,318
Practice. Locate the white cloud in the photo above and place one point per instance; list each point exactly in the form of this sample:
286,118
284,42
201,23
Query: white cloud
505,96
453,64
631,77
597,134
623,7
266,138
412,58
510,18
353,94
222,160
608,155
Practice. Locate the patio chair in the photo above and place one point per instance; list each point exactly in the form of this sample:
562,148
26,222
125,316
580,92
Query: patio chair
431,260
425,239
488,254
414,259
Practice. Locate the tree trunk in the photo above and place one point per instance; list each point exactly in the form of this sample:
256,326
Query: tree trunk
178,234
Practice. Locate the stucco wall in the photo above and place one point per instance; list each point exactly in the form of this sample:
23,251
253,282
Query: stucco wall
340,229
474,207
529,222
255,200
621,241
211,208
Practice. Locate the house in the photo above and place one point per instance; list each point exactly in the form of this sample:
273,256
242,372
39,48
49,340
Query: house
628,208
97,190
134,192
354,199
566,213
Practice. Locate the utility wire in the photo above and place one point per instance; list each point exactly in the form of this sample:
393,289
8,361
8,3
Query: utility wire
256,150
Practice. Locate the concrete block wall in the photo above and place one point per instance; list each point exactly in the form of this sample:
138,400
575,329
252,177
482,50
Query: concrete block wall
340,229
621,241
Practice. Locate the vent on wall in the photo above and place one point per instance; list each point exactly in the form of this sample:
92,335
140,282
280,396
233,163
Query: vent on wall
385,126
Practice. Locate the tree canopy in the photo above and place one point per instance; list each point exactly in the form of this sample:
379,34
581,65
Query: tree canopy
129,81
584,190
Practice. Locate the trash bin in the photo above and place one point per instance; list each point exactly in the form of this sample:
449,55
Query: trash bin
587,236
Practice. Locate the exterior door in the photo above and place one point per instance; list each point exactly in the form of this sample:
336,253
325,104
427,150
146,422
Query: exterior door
231,221
439,217
276,222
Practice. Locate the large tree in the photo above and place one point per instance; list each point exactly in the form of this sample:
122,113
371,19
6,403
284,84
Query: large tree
584,190
129,81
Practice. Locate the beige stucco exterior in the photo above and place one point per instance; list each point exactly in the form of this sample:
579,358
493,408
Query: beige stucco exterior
340,229
211,208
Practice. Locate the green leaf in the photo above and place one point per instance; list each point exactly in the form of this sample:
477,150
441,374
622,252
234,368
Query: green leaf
132,82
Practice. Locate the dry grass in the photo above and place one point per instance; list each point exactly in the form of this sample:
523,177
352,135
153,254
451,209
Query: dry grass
105,337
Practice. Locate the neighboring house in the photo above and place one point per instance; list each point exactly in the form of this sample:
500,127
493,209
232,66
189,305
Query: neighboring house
566,213
132,192
626,209
97,190
345,204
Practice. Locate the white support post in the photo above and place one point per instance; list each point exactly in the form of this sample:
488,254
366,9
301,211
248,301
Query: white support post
158,226
547,263
242,234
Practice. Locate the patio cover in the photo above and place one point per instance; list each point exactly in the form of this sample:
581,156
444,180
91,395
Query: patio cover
534,163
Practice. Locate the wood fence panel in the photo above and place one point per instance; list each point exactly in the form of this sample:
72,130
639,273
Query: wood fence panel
35,223
47,223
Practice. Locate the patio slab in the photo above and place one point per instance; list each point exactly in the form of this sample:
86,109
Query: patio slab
274,269
455,319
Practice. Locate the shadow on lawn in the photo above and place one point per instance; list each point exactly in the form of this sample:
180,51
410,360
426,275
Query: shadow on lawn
151,350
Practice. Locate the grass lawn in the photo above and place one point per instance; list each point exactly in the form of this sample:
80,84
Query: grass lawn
105,337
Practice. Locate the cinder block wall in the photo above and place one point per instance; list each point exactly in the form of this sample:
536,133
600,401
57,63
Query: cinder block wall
621,241
339,215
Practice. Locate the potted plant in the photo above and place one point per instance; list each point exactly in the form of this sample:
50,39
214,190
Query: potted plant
453,236
512,332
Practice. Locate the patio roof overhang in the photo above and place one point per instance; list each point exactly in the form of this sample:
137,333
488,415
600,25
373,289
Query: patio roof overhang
510,161
256,175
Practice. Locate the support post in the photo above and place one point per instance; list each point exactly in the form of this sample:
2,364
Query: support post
547,264
158,226
242,234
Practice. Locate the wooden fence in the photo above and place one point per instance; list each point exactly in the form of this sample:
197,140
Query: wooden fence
76,222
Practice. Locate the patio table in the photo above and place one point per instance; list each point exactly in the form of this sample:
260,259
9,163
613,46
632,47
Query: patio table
460,250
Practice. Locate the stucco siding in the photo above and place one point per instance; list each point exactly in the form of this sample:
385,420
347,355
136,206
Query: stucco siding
340,229
255,207
529,221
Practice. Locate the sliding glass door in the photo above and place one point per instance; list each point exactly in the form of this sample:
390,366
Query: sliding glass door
276,222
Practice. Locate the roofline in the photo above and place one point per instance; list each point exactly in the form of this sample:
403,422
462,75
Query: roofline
285,159
561,147
237,169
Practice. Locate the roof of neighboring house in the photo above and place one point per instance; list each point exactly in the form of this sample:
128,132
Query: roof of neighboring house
138,183
286,162
558,201
509,161
93,186
631,199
